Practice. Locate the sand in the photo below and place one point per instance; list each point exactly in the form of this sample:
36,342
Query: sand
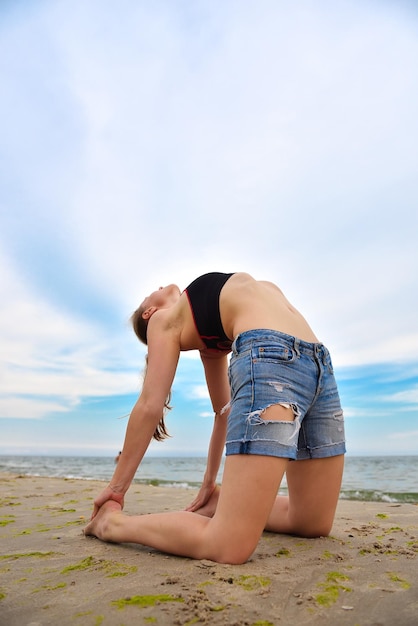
364,574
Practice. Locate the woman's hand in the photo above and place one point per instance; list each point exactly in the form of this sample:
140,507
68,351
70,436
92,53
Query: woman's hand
202,498
108,493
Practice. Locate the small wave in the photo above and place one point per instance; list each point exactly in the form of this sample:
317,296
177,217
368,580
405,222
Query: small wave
160,482
379,496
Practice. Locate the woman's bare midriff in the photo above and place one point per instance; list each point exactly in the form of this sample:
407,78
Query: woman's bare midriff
248,304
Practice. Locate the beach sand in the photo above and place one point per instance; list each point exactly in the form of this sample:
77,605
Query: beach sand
364,574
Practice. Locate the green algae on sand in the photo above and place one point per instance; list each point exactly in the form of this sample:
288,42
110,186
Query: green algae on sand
331,589
144,601
111,568
27,555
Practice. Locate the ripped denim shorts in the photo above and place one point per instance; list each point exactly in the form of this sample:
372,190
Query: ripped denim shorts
269,367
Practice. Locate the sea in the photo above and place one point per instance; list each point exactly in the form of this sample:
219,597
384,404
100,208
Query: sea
371,478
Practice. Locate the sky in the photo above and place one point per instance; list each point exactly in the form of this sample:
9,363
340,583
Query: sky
145,143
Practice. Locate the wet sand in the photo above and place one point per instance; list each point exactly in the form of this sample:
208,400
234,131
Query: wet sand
364,574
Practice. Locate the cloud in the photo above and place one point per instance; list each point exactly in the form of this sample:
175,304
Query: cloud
199,392
408,397
47,353
16,407
411,435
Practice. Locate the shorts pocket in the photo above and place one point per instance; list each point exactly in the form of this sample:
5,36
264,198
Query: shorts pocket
282,354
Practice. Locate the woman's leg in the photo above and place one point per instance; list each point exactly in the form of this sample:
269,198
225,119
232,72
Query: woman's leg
308,511
314,487
249,488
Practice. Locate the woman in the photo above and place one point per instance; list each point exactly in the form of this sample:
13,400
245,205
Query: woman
279,411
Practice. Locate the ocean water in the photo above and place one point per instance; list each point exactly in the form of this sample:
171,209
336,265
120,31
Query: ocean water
373,478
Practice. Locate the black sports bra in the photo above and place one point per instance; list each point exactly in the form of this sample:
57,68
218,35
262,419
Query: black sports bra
203,294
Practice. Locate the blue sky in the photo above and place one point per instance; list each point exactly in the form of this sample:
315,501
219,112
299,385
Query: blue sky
144,143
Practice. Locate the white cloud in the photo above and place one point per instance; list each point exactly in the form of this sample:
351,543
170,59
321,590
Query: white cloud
411,435
399,347
15,407
409,397
200,392
47,352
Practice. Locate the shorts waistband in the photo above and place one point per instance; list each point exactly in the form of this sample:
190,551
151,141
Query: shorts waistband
266,335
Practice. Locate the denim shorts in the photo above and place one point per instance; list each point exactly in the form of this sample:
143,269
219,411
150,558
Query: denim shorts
267,368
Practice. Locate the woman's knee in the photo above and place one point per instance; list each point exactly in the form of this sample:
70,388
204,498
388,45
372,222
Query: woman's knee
312,529
233,551
233,556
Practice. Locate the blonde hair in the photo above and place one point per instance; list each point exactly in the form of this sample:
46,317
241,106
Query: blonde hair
140,326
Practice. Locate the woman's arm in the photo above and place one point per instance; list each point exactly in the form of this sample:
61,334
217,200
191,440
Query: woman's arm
163,355
216,372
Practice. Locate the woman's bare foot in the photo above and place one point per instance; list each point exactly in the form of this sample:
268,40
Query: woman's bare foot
100,525
208,510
